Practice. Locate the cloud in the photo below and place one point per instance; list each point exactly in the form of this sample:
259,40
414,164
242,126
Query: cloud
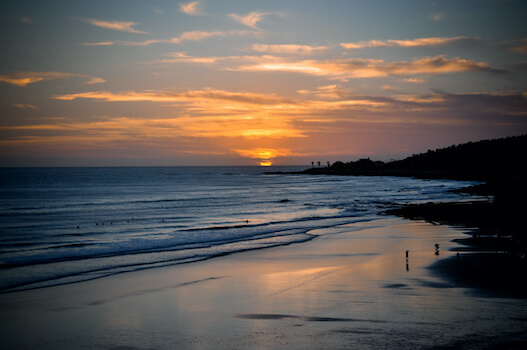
265,155
326,92
190,8
369,68
95,80
267,126
434,41
389,88
261,115
520,65
102,43
519,45
26,20
198,35
289,49
25,106
415,80
23,79
437,16
187,36
188,96
115,25
250,20
342,69
128,43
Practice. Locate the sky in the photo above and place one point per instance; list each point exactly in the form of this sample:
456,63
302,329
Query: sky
240,82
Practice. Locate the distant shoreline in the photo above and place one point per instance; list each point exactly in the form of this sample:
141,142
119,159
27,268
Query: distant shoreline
493,259
498,250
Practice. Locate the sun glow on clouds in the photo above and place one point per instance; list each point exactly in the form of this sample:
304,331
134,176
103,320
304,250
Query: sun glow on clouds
371,68
264,155
252,119
116,25
250,20
190,8
196,35
231,83
402,43
289,49
340,68
23,79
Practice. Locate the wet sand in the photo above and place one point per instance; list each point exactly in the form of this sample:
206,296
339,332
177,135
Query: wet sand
492,255
352,287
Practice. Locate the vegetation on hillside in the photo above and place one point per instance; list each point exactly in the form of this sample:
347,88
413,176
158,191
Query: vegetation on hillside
489,160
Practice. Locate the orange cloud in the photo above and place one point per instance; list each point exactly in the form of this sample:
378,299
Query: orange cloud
519,46
369,68
188,96
115,25
437,16
216,112
190,8
289,49
262,126
339,68
415,80
265,155
102,43
25,105
250,20
326,92
187,36
23,79
425,41
435,41
251,126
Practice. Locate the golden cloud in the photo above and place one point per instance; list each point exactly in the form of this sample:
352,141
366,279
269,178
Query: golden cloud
260,126
23,79
289,49
369,68
197,35
519,45
25,106
339,68
187,96
415,80
434,41
265,155
101,43
115,25
190,8
250,20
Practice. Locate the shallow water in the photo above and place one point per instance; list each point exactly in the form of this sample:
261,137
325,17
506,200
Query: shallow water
351,287
63,225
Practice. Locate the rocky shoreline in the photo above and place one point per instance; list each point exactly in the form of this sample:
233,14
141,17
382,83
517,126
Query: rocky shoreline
495,257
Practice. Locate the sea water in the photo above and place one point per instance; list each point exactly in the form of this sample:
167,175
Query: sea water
65,225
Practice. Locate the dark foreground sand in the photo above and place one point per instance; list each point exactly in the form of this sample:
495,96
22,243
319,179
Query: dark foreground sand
351,288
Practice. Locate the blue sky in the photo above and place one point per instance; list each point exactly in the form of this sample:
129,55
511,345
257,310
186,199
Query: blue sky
256,82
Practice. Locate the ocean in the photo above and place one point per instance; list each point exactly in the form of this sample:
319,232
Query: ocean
66,225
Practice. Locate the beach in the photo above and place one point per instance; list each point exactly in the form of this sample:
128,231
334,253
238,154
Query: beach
351,287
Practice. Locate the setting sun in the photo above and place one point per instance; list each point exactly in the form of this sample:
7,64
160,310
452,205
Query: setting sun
135,90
